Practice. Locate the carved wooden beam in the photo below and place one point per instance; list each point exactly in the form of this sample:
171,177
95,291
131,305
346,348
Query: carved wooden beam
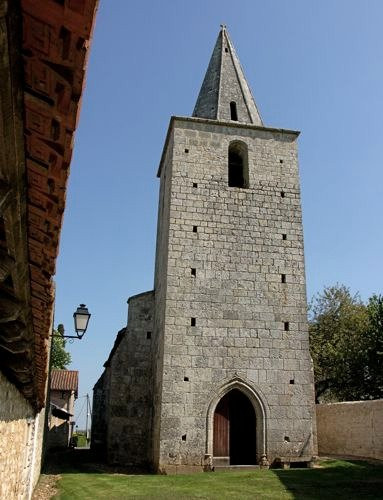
10,307
7,263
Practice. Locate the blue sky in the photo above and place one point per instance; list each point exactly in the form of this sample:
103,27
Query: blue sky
314,66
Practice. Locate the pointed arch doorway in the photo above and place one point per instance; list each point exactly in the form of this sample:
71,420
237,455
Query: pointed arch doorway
234,430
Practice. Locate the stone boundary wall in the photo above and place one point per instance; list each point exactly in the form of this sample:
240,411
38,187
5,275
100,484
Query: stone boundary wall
351,429
21,432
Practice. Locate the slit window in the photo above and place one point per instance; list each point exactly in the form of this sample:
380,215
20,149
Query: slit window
283,278
233,111
184,437
194,229
286,326
282,194
238,174
226,49
193,271
284,236
148,335
192,322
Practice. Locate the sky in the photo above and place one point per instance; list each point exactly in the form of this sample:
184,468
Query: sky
314,66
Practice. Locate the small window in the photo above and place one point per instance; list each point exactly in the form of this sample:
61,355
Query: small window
282,194
284,236
194,229
280,161
195,185
186,379
283,278
238,174
286,326
193,271
186,150
287,439
233,111
184,437
226,49
292,381
192,322
148,335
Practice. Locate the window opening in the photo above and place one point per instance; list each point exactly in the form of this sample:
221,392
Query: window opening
292,381
193,271
186,150
238,166
194,229
233,111
148,335
284,236
192,321
286,326
186,379
282,194
184,437
195,185
283,278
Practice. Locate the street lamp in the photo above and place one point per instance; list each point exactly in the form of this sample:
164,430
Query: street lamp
81,319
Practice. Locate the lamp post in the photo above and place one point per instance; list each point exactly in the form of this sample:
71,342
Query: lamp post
81,319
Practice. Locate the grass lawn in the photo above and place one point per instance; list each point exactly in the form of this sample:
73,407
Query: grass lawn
336,479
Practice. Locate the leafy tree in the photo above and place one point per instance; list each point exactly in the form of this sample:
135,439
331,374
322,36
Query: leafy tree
60,358
338,325
374,348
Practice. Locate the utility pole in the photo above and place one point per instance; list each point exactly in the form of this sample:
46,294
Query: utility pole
88,419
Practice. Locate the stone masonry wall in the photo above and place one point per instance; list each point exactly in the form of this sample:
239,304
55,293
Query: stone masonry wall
249,325
21,432
160,286
99,413
130,397
351,429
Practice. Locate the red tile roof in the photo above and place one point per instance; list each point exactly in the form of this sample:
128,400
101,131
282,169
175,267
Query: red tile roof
64,380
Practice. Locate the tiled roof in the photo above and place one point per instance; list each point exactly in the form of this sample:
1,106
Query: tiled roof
64,380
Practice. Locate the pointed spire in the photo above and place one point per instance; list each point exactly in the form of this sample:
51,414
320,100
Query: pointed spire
225,93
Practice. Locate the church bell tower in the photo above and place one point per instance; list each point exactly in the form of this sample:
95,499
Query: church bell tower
233,381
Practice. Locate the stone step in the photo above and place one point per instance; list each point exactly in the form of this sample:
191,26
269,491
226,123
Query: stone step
218,468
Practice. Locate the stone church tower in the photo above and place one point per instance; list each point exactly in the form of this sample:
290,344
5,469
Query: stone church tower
225,375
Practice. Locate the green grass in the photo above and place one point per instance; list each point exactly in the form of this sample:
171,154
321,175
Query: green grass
81,439
336,479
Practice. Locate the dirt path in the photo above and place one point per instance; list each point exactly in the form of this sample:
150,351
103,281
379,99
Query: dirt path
46,487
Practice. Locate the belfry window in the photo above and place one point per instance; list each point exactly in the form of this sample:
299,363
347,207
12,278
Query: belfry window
233,111
238,165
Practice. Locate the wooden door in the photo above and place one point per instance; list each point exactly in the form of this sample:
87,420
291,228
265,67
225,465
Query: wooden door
221,429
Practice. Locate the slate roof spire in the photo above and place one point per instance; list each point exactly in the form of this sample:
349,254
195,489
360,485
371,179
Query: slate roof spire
225,93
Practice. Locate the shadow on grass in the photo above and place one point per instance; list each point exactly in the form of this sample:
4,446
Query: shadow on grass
83,461
334,479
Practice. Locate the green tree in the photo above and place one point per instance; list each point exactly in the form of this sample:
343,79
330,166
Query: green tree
338,324
373,375
60,358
